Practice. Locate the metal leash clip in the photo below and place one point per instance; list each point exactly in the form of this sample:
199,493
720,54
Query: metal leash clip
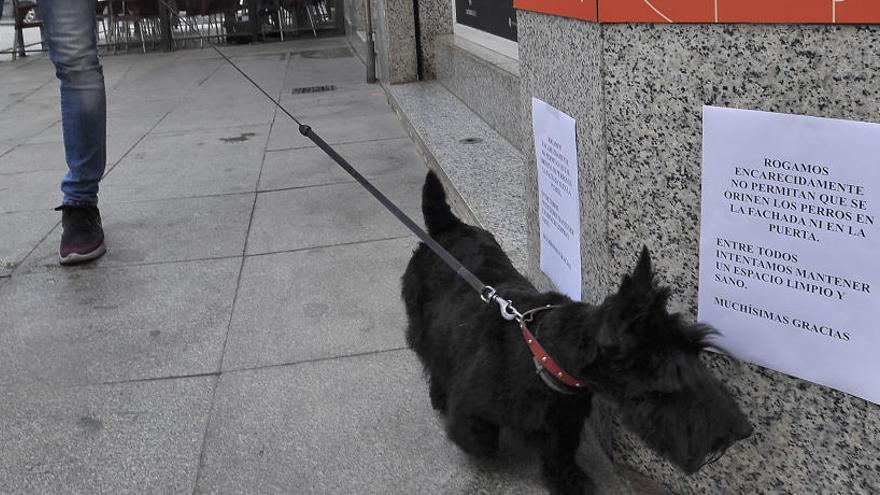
508,312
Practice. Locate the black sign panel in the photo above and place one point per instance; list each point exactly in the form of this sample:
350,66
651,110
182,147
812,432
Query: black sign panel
496,17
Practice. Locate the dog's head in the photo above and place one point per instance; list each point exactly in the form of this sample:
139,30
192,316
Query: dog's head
653,372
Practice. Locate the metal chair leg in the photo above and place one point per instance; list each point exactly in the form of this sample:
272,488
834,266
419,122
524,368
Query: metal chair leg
140,29
280,25
311,20
18,44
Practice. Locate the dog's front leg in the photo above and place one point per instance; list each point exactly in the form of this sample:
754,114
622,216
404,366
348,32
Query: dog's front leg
560,471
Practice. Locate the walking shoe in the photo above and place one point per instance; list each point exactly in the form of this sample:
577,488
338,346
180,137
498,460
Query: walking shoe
83,238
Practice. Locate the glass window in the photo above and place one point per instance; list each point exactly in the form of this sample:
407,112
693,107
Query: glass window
491,23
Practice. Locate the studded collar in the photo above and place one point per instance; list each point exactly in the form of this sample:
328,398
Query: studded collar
547,368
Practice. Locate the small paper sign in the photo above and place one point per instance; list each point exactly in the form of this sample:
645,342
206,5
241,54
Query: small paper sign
558,197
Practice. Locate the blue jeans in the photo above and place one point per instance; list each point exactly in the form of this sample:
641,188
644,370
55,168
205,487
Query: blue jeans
72,37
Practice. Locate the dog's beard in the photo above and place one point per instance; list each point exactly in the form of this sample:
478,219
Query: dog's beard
690,430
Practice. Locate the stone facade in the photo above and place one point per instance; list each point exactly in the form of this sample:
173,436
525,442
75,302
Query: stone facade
435,21
486,81
637,92
394,25
394,35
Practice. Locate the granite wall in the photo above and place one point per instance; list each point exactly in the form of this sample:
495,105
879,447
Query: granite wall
637,93
435,21
395,39
560,64
486,81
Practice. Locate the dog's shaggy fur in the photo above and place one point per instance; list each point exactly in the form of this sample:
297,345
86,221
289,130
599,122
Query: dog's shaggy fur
629,350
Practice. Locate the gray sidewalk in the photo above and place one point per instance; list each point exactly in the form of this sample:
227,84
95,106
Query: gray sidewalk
244,333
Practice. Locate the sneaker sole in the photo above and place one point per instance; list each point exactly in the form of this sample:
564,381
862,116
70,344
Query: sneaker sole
75,259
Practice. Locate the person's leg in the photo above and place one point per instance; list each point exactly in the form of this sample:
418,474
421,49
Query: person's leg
71,35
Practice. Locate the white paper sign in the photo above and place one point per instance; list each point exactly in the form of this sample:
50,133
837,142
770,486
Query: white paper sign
790,248
558,197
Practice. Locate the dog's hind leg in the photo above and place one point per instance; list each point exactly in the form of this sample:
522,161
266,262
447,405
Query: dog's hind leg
560,471
473,434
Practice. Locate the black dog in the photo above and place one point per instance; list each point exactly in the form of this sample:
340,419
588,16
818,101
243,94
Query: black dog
629,350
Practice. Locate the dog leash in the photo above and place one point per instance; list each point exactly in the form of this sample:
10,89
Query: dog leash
487,293
546,367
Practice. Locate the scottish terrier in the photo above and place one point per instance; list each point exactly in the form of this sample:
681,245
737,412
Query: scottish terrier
481,369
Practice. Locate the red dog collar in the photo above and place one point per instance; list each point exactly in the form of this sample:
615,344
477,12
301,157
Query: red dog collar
547,368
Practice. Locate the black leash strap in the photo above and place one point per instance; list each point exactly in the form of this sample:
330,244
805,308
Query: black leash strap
439,250
487,293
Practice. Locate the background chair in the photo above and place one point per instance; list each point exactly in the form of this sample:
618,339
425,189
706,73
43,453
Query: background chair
134,18
213,19
27,15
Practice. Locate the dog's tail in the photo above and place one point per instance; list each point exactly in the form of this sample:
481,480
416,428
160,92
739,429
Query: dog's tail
438,216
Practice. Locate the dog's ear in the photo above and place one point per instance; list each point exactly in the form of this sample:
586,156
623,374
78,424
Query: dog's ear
641,281
643,274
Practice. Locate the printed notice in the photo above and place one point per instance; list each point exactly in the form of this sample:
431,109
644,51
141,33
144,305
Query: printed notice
558,197
789,244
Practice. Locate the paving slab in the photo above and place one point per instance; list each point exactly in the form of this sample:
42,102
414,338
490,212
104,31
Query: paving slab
161,231
125,438
19,84
336,129
122,112
117,66
27,191
25,76
338,92
88,325
120,143
311,166
361,425
187,164
328,215
275,48
267,71
324,66
127,122
162,76
22,120
35,157
341,101
129,119
6,146
46,151
20,233
293,307
213,111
